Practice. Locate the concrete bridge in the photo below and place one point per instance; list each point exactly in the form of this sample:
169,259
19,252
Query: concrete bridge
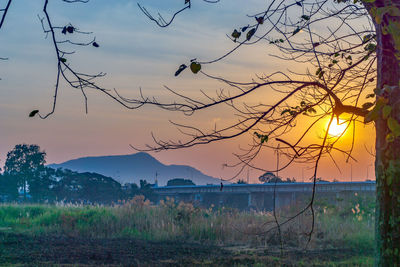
261,196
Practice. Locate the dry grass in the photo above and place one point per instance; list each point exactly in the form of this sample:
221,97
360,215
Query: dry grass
349,225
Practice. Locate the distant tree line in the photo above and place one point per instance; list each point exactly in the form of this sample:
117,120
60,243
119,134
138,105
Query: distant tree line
270,177
25,178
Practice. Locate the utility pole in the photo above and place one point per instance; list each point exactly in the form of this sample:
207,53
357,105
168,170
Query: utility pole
369,165
351,172
277,161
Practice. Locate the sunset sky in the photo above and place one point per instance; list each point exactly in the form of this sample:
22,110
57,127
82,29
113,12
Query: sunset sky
135,54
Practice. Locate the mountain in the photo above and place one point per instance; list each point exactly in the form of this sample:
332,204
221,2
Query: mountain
132,168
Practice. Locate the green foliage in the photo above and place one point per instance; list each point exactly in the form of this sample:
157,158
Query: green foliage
195,67
394,126
24,159
374,113
236,34
386,110
24,164
319,73
263,137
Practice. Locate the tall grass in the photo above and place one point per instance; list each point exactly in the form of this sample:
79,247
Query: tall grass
345,226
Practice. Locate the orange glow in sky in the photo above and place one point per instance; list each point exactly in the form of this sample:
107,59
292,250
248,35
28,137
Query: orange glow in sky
136,54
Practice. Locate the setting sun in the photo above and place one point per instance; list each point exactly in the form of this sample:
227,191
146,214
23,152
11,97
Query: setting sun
337,128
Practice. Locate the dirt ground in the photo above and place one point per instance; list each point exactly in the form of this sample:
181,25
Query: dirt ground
22,250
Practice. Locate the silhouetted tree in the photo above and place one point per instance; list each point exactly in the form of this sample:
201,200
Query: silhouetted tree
41,188
146,189
269,177
131,189
8,188
87,188
24,164
179,181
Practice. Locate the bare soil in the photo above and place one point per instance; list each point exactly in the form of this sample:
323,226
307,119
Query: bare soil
25,250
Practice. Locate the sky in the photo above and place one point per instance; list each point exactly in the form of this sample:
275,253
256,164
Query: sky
135,54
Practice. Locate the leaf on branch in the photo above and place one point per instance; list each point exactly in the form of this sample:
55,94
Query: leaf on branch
64,30
245,28
386,111
312,110
33,113
250,34
367,37
390,137
394,126
374,113
263,137
299,3
370,96
187,2
236,34
370,47
315,44
70,29
181,68
367,105
95,44
296,31
305,17
260,20
63,60
195,67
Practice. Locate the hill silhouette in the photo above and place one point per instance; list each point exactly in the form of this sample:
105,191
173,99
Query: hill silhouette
134,167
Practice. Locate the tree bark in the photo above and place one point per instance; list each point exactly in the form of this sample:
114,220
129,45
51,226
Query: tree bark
387,162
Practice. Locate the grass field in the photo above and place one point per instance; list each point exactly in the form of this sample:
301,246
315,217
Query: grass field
140,234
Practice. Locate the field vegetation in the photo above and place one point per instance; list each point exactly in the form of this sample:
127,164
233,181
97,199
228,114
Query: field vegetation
343,235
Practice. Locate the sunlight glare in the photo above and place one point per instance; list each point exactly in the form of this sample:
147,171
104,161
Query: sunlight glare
336,129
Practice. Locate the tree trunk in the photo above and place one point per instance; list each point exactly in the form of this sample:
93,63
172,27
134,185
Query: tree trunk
387,163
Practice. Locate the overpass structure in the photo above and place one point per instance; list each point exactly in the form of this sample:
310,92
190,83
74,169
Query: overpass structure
261,196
